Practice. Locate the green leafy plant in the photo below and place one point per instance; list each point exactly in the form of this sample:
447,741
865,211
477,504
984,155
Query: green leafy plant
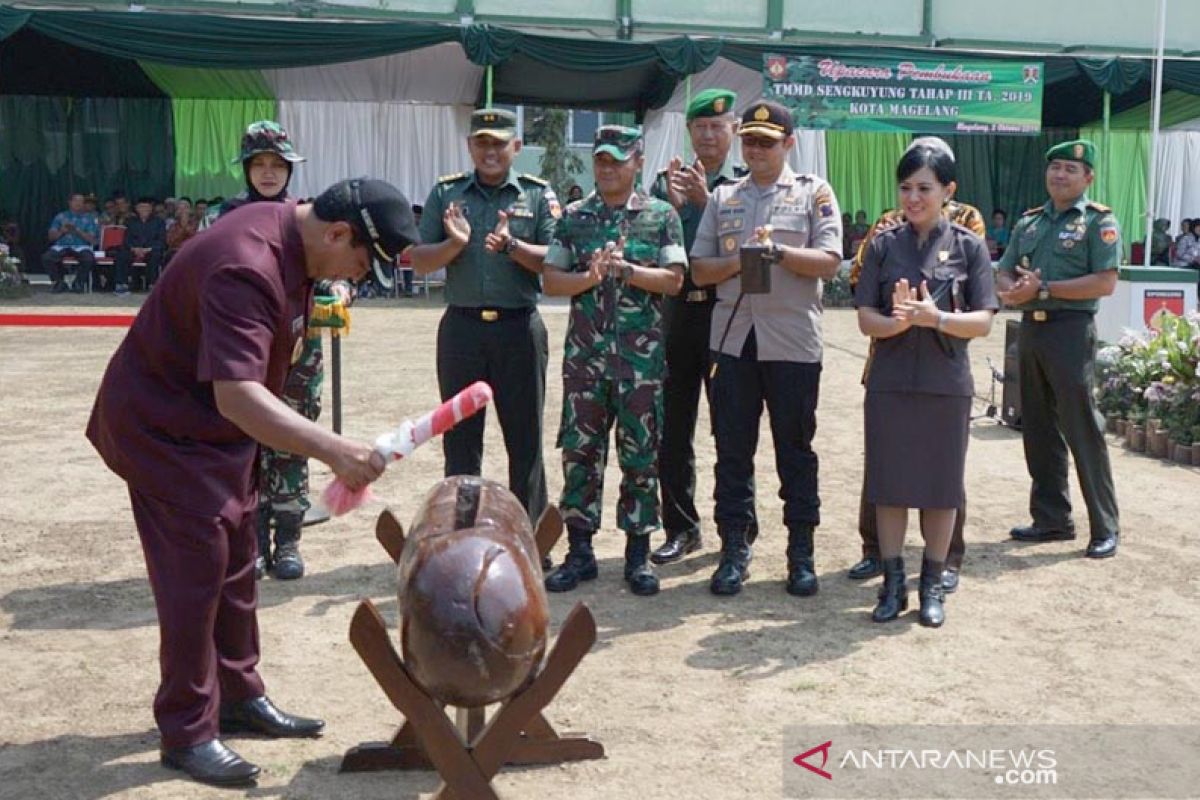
559,163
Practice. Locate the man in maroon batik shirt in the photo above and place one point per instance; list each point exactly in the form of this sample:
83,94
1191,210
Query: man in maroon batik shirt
186,400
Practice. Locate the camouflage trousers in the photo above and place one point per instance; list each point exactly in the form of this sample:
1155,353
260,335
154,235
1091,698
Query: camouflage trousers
590,410
283,476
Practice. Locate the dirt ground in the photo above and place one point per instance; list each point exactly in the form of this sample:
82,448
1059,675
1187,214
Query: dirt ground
688,693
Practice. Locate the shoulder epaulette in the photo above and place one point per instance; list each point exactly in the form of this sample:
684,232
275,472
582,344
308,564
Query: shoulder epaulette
740,170
1030,212
1103,209
457,176
525,176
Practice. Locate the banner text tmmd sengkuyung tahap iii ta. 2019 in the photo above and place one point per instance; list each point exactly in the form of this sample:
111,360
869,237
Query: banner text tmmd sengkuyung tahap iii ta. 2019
901,94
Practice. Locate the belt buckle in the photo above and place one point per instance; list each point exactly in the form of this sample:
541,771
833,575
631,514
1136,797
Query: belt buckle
1039,315
489,315
696,296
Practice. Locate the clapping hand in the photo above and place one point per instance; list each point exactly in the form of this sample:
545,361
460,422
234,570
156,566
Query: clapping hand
676,194
688,183
1024,289
917,307
457,227
608,261
497,240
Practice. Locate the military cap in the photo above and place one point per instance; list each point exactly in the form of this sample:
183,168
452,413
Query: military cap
767,119
711,103
266,136
494,122
383,217
1076,150
619,141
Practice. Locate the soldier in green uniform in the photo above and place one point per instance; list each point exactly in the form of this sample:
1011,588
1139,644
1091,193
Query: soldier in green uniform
615,253
687,317
489,228
1062,258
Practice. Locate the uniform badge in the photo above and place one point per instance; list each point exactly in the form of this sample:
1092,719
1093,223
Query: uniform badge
1078,151
719,105
1068,244
1109,235
732,201
762,114
730,244
943,256
552,202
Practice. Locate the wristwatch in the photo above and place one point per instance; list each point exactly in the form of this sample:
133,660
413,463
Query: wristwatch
1044,292
510,246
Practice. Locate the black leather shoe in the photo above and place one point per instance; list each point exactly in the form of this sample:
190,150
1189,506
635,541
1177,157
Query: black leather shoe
932,596
211,762
949,580
1105,547
734,569
869,567
1032,533
286,563
676,547
893,594
259,715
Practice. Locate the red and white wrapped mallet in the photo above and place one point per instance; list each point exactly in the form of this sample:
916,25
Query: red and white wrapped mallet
401,442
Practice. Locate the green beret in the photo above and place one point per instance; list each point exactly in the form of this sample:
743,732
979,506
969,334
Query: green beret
1075,150
711,103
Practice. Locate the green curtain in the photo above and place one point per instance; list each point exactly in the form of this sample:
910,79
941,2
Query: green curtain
52,146
208,132
1177,107
861,167
1005,173
11,21
214,83
1121,183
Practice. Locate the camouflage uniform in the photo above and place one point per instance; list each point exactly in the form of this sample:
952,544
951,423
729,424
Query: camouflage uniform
614,360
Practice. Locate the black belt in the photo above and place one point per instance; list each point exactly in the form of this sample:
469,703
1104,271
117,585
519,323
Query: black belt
1054,315
695,296
489,314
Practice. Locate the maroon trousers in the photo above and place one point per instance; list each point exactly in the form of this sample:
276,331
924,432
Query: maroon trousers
202,573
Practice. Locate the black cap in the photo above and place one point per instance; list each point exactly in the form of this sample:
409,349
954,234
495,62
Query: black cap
768,119
384,217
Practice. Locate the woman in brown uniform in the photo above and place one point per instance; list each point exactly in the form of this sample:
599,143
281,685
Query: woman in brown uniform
926,288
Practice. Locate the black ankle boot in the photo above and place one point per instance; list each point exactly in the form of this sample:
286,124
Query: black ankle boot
933,595
734,569
579,565
638,572
286,563
893,595
262,561
801,579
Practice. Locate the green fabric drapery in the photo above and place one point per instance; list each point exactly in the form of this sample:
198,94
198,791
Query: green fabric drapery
208,133
51,146
11,21
1177,107
179,82
1006,173
861,167
1123,185
1115,75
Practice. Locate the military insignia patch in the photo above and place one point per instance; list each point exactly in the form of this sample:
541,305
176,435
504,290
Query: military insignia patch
730,244
1109,235
762,114
552,202
1078,151
719,105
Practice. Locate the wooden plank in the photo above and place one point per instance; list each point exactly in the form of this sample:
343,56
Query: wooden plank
390,533
549,529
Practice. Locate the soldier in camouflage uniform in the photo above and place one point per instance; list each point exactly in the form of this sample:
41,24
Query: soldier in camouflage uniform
267,158
871,566
615,253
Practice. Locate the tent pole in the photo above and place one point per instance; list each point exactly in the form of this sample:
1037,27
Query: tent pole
1107,140
1155,120
488,90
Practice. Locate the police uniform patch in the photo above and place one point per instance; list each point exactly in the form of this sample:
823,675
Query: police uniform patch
1109,234
730,244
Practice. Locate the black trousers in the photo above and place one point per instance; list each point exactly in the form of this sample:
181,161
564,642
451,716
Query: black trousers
123,262
687,328
1058,411
52,262
789,390
511,354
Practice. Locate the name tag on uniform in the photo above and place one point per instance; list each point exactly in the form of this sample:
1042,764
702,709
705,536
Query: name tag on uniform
731,224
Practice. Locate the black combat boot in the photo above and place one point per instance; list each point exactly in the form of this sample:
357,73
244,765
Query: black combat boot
933,613
893,595
262,562
579,565
287,565
734,569
801,579
638,572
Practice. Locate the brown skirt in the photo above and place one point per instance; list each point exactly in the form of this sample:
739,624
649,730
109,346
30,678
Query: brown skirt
916,449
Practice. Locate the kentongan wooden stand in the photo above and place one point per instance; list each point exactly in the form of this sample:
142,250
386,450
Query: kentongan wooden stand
468,756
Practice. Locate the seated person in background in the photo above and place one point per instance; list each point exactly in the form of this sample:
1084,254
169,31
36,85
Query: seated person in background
574,193
72,233
10,237
122,213
1187,249
145,242
997,234
179,229
1160,243
89,205
106,216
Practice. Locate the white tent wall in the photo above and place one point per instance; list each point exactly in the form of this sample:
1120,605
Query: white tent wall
408,144
1178,178
439,74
